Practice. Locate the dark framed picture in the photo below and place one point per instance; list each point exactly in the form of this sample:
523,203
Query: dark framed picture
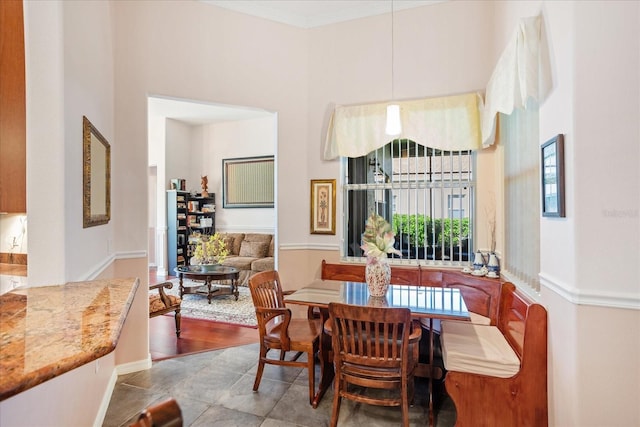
552,153
323,206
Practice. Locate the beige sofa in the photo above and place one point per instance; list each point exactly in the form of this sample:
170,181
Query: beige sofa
250,253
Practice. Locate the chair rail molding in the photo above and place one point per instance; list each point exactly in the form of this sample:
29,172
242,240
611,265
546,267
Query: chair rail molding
593,298
308,246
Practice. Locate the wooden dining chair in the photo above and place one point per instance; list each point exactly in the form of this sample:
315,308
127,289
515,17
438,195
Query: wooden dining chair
163,414
280,331
373,347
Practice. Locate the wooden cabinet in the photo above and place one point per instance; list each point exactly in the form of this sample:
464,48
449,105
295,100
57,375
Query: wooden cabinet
13,145
187,215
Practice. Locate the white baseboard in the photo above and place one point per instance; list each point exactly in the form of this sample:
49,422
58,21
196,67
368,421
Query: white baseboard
106,399
139,365
125,368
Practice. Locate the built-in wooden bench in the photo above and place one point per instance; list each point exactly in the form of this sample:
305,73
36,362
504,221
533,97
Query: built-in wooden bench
497,375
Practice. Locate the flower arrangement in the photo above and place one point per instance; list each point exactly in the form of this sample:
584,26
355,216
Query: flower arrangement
378,239
209,250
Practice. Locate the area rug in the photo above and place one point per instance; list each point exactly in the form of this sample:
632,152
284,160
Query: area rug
223,309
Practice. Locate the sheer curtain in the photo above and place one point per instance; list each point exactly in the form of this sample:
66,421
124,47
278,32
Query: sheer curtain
523,72
519,134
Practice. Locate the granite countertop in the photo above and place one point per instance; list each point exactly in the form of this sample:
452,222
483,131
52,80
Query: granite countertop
47,331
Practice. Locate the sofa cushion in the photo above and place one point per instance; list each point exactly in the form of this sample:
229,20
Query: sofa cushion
263,264
239,262
254,249
233,242
257,237
271,250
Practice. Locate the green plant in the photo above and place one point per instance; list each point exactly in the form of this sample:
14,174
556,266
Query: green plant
210,250
422,230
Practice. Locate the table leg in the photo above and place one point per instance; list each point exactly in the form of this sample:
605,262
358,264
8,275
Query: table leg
432,373
209,294
181,287
326,362
234,288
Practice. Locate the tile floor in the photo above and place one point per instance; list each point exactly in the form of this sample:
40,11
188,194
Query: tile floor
214,388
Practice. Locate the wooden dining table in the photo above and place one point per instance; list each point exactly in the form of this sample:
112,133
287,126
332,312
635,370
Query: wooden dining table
423,301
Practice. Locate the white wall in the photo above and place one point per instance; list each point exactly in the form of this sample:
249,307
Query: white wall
178,154
58,402
157,160
88,91
45,142
241,138
191,50
589,260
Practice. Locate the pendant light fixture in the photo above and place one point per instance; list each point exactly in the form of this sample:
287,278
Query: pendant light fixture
393,127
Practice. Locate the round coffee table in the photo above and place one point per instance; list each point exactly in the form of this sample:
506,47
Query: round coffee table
209,273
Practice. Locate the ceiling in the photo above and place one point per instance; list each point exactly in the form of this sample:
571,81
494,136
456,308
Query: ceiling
315,13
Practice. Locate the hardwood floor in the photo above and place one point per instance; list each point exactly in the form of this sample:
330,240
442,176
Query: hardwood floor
196,335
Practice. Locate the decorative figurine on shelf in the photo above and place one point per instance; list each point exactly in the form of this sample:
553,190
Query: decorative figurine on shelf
204,182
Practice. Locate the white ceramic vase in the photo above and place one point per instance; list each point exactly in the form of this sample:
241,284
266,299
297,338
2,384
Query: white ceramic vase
478,261
378,276
494,264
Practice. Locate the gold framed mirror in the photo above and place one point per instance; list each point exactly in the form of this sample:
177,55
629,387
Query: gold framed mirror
96,171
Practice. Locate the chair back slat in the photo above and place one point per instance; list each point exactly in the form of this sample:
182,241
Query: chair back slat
371,336
266,293
373,347
266,290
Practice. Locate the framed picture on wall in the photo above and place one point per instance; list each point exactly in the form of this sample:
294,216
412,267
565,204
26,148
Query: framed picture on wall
248,182
553,177
323,206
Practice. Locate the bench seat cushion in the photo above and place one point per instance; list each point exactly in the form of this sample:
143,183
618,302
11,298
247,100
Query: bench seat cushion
477,349
476,319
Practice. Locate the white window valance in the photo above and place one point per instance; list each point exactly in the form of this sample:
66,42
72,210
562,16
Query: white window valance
449,123
522,72
459,122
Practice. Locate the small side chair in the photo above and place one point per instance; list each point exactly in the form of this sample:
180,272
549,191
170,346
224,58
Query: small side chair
161,303
280,331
